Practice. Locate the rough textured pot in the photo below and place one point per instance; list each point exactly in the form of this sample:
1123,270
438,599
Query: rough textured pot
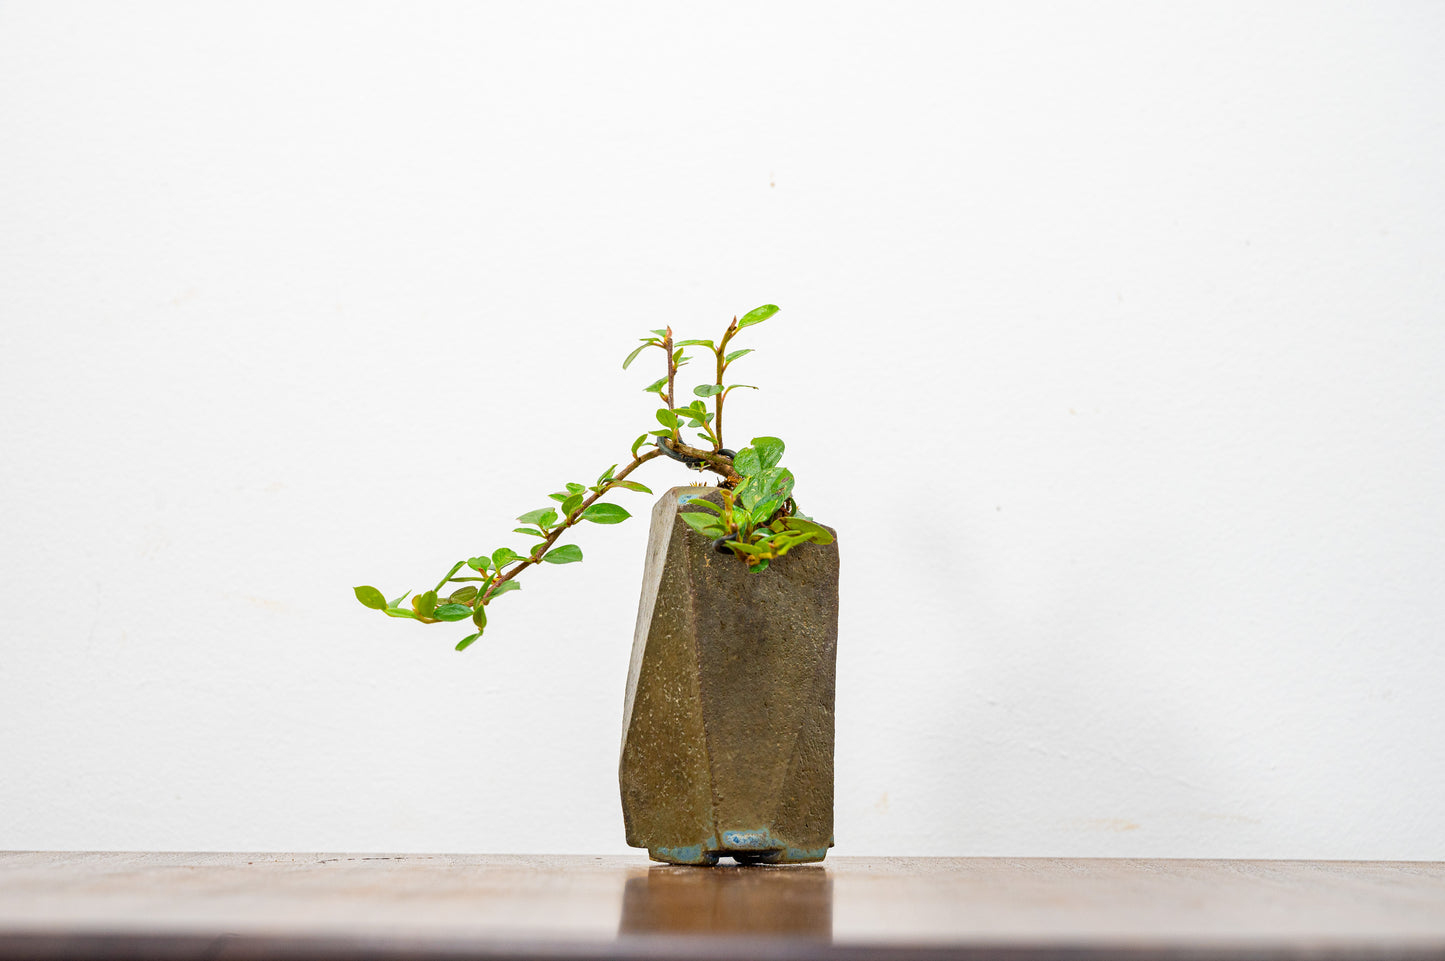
727,733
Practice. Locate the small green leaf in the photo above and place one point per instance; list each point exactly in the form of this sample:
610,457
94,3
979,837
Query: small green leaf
631,485
479,618
705,524
504,555
757,315
370,597
667,418
757,565
605,514
747,463
696,417
566,554
562,495
575,488
504,587
539,517
770,450
606,475
479,564
466,642
633,356
656,386
398,612
695,343
452,612
707,390
528,530
463,595
747,548
820,533
696,501
425,604
635,445
571,504
734,355
733,387
661,332
397,602
767,508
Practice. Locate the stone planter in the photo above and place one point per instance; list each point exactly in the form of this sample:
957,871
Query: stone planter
727,734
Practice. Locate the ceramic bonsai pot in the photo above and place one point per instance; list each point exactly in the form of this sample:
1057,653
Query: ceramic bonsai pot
727,743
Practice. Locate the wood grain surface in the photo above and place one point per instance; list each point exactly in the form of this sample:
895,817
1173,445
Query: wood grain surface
172,905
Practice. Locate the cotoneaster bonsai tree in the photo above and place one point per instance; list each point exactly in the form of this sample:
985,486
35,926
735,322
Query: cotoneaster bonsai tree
758,519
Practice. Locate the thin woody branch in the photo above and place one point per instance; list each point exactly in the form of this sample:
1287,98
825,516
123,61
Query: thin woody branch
569,521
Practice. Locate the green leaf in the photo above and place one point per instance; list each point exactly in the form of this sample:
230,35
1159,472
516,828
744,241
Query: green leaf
770,450
504,587
452,612
398,612
757,315
707,390
479,618
631,485
562,495
736,354
633,356
696,418
571,504
425,604
656,386
661,332
528,530
733,387
819,532
606,475
370,597
542,517
466,642
397,602
760,564
635,445
694,343
504,555
774,483
575,488
566,554
605,514
704,524
479,564
698,501
747,548
747,463
765,509
667,418
463,595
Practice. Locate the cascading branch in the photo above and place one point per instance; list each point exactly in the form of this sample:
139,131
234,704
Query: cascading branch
757,522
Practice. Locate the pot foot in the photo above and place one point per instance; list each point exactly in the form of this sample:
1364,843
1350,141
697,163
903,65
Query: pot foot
694,854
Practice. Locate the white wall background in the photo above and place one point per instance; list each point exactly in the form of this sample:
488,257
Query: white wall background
1112,340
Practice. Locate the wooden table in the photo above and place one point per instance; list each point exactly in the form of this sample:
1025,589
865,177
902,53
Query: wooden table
430,906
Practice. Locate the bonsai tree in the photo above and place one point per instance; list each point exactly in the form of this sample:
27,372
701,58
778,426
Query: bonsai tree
756,519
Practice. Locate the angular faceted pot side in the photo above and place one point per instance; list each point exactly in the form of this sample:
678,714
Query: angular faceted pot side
727,733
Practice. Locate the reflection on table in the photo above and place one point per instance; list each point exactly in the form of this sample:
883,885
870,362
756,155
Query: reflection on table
795,901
